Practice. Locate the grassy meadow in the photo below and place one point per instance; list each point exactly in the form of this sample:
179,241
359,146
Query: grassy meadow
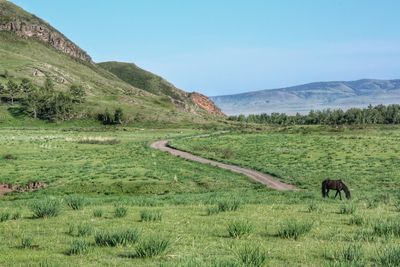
111,200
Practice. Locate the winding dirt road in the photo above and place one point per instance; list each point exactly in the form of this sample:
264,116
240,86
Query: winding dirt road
263,178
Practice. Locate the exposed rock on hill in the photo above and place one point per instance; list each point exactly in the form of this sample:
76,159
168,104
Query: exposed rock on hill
205,103
23,24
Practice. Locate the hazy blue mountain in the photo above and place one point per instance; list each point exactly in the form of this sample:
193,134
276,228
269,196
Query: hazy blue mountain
317,96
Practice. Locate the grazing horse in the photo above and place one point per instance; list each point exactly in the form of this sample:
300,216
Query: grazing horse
337,185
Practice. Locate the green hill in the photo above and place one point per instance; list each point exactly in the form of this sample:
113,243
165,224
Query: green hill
31,48
143,79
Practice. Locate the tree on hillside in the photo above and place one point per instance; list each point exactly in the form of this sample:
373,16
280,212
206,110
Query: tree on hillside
118,116
2,90
77,93
33,101
48,85
25,86
12,90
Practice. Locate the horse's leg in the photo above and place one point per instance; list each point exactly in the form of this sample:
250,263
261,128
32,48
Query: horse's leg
340,195
337,192
327,192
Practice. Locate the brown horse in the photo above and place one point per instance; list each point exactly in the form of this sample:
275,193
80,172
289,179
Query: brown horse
337,185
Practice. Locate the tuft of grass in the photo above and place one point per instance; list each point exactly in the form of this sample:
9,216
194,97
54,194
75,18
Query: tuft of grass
347,209
75,202
252,256
312,207
386,228
371,203
356,220
389,256
26,242
120,211
16,216
9,157
364,235
351,255
237,229
71,229
99,141
397,205
212,210
150,215
98,213
84,229
292,229
112,239
228,205
151,247
5,216
78,247
45,208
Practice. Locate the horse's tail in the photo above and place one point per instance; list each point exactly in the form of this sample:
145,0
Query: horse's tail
346,191
323,188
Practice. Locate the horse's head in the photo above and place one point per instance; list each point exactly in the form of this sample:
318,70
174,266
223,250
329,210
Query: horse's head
346,190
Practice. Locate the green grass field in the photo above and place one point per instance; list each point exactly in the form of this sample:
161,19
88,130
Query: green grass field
181,213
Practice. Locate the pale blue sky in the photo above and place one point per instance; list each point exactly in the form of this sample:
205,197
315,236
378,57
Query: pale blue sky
231,46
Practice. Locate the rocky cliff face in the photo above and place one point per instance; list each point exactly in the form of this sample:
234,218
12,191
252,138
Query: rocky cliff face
45,34
205,103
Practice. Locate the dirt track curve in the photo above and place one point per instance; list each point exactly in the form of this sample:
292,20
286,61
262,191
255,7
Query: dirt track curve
263,178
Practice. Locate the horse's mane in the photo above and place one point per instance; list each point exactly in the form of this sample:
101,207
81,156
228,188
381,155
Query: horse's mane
346,190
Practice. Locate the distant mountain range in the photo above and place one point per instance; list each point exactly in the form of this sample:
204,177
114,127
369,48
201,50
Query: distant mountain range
316,96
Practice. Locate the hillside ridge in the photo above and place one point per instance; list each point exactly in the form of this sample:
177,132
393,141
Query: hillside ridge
155,84
26,25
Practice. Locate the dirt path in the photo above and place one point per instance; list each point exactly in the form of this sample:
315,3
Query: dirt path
263,178
4,189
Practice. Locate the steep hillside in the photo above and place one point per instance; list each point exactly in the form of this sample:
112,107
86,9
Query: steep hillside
31,48
155,84
320,95
15,19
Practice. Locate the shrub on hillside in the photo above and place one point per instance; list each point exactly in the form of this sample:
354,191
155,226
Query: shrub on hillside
111,119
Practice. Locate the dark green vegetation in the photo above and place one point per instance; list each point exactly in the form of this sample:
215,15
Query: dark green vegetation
355,116
165,201
120,237
45,208
150,215
238,228
151,246
293,229
43,102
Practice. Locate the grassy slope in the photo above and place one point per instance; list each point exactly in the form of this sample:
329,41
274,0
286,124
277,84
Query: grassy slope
132,174
143,79
24,57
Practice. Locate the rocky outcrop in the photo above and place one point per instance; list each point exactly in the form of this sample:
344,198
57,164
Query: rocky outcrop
47,35
205,103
